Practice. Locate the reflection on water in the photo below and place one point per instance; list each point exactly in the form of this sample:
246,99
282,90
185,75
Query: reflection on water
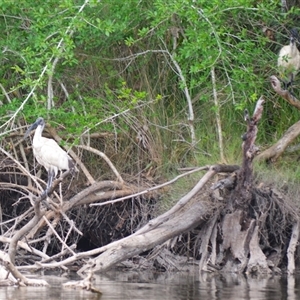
152,286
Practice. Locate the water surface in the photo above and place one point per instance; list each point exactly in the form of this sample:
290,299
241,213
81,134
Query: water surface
153,286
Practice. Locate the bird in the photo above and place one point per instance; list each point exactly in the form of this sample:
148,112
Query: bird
48,153
289,59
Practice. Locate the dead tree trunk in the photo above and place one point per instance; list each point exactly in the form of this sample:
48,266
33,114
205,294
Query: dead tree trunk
252,235
243,191
239,228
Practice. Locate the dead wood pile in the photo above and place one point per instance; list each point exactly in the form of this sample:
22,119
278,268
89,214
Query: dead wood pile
230,226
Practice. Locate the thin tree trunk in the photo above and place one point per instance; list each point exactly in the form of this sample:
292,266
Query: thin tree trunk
218,117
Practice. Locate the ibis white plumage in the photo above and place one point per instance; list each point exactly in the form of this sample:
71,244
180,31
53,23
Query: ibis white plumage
289,59
48,153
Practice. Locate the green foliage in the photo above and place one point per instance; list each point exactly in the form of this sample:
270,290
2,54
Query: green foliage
108,57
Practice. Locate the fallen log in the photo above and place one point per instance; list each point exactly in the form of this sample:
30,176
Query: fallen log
182,217
275,151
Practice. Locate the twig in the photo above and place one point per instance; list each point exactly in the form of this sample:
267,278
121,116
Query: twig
49,232
58,255
21,168
186,92
57,235
21,233
17,219
71,222
66,238
101,154
152,188
5,93
25,246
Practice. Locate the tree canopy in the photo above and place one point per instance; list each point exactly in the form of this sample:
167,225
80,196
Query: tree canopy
183,69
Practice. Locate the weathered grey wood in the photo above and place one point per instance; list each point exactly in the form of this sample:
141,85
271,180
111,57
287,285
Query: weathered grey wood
185,219
292,248
13,245
185,199
206,235
258,261
236,241
186,214
285,94
276,150
243,190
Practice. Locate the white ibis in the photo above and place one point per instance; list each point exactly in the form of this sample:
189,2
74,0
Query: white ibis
48,153
289,59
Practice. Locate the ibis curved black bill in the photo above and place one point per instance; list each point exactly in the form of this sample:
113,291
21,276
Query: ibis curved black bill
39,121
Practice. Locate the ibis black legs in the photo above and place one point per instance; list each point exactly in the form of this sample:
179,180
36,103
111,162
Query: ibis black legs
51,175
288,85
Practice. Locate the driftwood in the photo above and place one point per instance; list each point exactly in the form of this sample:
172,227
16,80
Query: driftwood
186,214
245,175
249,215
240,246
85,284
275,151
18,277
285,94
181,218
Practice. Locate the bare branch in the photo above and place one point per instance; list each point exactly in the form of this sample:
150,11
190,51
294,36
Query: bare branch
187,96
25,229
26,247
57,235
101,154
285,94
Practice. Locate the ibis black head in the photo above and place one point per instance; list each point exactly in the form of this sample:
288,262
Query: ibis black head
294,34
39,121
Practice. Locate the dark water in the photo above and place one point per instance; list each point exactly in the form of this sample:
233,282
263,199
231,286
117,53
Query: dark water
155,286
